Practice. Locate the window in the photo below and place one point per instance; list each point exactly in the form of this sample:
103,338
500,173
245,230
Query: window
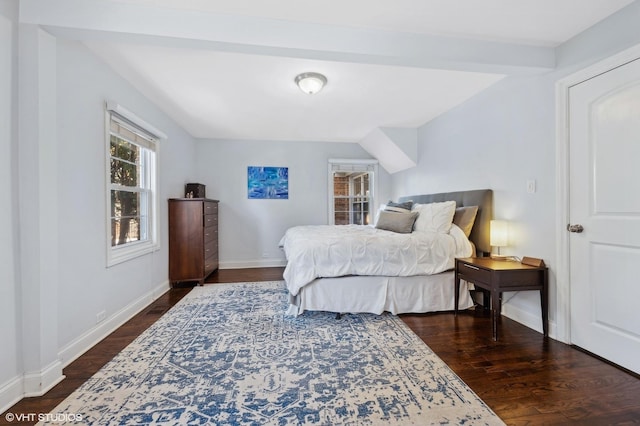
132,151
351,191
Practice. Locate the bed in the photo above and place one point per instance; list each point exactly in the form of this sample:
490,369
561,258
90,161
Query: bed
325,271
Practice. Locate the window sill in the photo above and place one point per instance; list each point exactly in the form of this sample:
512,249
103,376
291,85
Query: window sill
119,255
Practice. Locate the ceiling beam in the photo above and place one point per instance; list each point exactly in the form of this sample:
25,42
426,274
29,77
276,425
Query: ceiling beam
118,21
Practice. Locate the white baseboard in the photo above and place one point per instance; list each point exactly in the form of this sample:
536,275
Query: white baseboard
90,338
39,383
160,290
528,319
10,393
260,263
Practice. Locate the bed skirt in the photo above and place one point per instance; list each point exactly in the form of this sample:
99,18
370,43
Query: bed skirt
376,294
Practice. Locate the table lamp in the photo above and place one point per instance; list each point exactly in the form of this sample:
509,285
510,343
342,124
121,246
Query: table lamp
499,236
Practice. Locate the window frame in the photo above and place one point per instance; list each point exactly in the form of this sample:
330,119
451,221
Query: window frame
150,146
353,165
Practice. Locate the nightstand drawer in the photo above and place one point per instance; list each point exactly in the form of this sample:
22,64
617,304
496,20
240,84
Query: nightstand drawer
509,279
473,273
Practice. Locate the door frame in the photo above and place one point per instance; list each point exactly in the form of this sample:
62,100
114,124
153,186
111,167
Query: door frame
563,276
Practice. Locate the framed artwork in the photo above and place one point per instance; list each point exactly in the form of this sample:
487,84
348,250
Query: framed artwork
268,182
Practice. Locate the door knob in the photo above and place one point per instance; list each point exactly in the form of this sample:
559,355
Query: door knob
575,228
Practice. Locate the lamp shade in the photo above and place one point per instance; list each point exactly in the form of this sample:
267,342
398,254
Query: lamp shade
499,233
311,82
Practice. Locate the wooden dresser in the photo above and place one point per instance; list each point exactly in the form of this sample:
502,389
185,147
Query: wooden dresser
193,239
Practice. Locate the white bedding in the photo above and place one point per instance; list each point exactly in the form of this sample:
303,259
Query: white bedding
339,250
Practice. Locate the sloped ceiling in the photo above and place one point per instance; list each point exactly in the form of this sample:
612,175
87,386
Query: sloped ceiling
395,148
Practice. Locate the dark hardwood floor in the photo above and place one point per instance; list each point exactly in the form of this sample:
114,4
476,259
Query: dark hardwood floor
525,378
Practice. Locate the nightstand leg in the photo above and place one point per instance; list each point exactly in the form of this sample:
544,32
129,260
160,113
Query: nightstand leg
495,312
494,324
486,301
544,302
456,292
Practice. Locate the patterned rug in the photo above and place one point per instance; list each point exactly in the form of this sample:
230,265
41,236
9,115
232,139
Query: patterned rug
227,354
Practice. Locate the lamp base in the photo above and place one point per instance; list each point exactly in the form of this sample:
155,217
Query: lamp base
501,257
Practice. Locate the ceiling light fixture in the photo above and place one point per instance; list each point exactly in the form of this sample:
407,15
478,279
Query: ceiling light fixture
311,82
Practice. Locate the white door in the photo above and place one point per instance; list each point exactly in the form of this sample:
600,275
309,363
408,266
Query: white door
604,150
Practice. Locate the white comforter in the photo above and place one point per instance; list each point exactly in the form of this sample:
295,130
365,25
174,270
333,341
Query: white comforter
334,251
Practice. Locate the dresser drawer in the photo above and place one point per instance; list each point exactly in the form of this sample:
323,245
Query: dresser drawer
210,264
210,208
210,220
210,249
210,234
473,273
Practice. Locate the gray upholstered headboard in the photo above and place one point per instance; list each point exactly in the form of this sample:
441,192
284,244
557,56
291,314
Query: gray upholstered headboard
483,198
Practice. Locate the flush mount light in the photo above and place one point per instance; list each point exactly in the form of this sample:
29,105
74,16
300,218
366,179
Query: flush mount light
311,82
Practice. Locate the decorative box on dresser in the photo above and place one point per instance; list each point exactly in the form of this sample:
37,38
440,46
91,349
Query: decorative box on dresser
193,239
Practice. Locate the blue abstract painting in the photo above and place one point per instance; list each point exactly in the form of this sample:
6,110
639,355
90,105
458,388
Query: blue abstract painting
268,182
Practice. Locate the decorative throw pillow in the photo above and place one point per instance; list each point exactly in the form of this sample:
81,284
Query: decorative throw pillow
435,217
465,217
399,207
401,223
380,209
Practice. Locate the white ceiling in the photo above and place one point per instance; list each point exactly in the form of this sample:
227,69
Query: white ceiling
240,96
225,69
539,22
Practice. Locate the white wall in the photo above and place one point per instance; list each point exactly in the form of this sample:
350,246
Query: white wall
54,280
87,286
251,229
10,367
498,140
505,136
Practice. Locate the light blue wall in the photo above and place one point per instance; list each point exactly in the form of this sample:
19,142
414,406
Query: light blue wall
87,286
71,104
505,136
9,291
251,229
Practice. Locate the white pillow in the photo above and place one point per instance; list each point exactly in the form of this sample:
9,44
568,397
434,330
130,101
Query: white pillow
434,217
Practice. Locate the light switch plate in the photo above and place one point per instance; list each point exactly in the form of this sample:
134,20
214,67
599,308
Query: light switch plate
531,186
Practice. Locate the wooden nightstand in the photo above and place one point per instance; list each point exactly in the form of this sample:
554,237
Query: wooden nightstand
497,276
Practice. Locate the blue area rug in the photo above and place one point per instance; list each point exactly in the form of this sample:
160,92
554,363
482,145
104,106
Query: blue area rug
227,355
